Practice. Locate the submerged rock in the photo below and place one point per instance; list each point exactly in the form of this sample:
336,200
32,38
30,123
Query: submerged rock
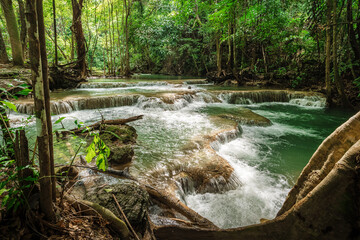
120,140
238,114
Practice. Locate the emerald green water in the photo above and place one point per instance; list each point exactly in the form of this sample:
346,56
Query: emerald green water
267,160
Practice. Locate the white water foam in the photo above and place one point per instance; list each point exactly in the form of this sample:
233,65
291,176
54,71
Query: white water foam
260,195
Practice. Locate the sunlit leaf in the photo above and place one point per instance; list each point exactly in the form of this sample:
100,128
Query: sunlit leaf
9,105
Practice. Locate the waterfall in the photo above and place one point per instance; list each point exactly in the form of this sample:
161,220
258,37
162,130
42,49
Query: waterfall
225,137
119,84
67,106
250,97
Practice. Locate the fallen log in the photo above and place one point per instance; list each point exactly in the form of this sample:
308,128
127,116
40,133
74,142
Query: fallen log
119,173
97,125
175,203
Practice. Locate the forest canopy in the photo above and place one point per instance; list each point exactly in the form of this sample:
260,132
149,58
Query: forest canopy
273,39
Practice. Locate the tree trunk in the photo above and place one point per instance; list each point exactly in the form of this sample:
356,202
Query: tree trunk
23,35
44,65
55,33
218,54
328,211
325,157
3,54
127,9
34,8
72,50
13,31
328,52
352,36
80,39
338,81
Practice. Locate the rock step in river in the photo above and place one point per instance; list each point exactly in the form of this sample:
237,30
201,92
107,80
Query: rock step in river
231,155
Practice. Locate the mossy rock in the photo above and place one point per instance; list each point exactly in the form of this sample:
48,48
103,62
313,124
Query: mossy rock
120,140
118,133
133,200
238,114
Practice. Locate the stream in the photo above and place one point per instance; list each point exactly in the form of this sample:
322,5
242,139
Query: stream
266,159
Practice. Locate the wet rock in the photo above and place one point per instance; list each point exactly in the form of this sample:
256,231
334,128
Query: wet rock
238,114
120,140
133,200
99,188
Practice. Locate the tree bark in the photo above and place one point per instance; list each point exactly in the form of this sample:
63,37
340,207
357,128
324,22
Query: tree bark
127,9
55,33
338,81
3,54
328,153
23,35
39,102
218,54
328,211
80,39
44,65
13,31
352,36
328,52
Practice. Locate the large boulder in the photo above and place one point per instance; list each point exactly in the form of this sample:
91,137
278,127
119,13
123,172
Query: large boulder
100,189
120,139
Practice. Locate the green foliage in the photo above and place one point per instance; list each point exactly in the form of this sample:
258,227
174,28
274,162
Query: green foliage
99,150
9,105
12,186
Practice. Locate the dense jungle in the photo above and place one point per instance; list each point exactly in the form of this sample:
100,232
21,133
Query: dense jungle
179,119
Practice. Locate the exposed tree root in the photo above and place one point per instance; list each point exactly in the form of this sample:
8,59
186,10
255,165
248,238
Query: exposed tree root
327,210
93,208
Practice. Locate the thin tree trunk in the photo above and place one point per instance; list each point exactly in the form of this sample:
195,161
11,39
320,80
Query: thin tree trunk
72,51
13,31
218,54
80,39
352,36
23,34
44,65
96,39
3,54
113,38
264,57
127,8
338,81
36,62
328,51
118,37
55,33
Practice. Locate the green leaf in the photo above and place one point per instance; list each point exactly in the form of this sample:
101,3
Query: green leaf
9,105
24,92
90,153
101,162
59,120
108,190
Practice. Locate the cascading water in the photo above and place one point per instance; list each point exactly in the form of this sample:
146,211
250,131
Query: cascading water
266,160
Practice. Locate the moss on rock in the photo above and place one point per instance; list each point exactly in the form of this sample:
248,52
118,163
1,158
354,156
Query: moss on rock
120,140
237,114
